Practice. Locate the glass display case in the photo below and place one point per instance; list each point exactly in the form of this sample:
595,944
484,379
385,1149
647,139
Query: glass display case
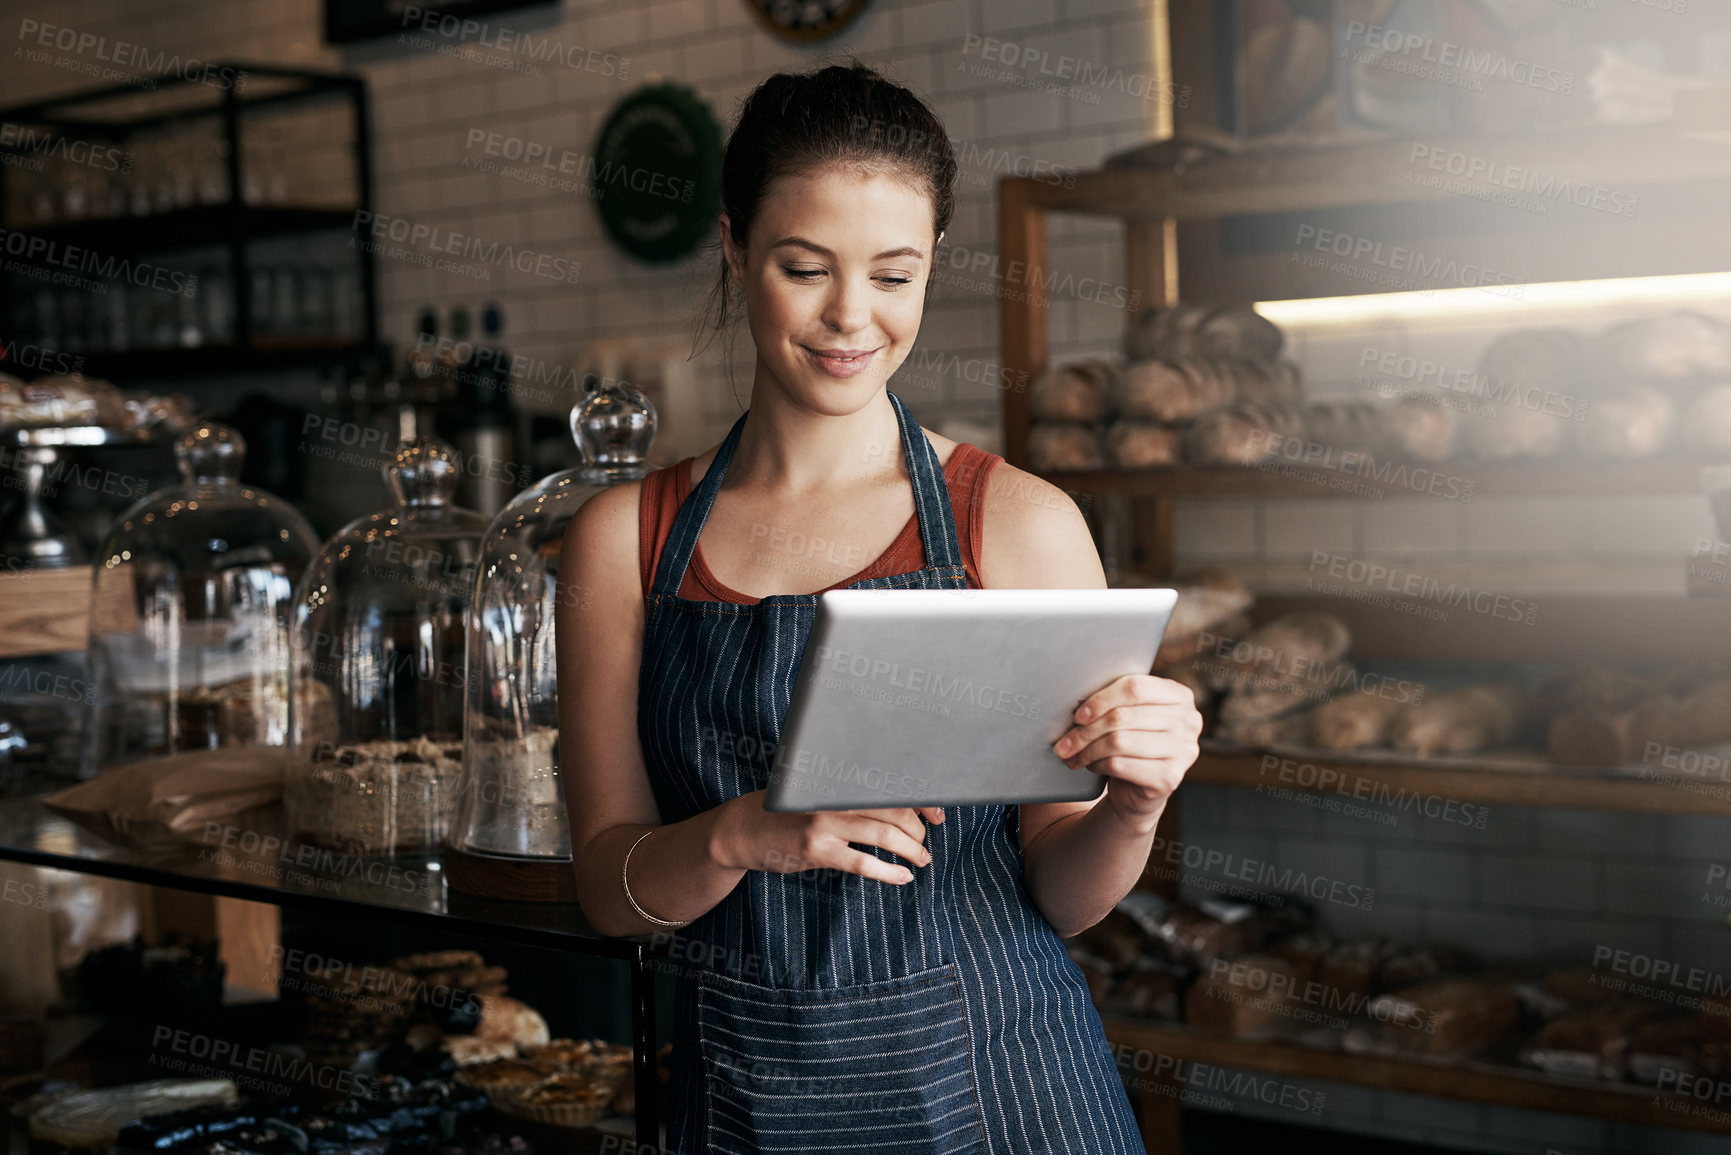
511,838
189,621
379,625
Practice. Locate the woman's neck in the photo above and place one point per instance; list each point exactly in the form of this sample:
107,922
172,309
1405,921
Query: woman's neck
793,449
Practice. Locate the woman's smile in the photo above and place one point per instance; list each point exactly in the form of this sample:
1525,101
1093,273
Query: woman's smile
840,362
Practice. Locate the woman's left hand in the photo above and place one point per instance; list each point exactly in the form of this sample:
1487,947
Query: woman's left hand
1140,732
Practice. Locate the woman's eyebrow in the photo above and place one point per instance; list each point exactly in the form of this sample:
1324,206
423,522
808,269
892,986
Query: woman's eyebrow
802,243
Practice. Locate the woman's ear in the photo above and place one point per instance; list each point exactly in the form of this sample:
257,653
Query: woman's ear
730,253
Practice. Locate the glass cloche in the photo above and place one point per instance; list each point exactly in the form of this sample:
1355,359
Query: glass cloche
189,615
510,838
378,626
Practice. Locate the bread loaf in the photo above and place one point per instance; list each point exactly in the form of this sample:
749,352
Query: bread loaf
1421,430
1592,1042
1280,730
1353,721
1460,722
1349,426
1598,735
1673,347
1236,330
1293,646
1636,422
1165,332
1172,388
1511,431
1251,996
1546,359
1703,717
1447,1016
1058,446
1079,391
1141,444
1244,433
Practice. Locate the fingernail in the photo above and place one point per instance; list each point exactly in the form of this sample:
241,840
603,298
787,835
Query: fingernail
907,875
1063,747
1083,713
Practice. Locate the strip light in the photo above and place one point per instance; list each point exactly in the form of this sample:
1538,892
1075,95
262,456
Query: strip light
1689,289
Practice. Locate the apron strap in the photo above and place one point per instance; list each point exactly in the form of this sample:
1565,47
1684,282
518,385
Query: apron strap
937,520
688,522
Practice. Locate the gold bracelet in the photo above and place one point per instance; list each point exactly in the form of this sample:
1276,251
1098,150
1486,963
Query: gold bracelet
625,882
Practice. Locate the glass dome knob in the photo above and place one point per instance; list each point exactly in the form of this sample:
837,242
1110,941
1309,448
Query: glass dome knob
213,453
614,426
424,472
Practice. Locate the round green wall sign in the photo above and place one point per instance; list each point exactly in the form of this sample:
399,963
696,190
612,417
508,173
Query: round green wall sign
658,172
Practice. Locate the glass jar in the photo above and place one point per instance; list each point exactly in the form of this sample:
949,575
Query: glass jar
511,837
379,625
189,614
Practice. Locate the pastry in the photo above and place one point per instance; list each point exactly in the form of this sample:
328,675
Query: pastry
382,797
1078,391
1352,721
1460,722
507,1018
1243,433
564,1100
1064,445
1134,444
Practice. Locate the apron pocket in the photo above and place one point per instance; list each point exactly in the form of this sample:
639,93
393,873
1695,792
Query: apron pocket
876,1067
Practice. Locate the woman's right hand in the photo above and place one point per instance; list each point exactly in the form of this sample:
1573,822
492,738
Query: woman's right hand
748,837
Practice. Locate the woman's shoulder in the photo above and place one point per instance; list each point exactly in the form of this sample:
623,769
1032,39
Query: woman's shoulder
1034,533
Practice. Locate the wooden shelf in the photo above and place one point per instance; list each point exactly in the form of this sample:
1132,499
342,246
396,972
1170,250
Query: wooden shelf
1396,785
1459,480
1475,1083
44,611
1265,180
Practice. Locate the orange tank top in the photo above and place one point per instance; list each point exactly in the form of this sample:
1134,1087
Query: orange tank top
665,489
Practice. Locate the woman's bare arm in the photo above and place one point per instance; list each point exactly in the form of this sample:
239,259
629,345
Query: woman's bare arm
686,867
1080,858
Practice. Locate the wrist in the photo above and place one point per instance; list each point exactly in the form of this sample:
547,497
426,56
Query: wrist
1134,809
718,841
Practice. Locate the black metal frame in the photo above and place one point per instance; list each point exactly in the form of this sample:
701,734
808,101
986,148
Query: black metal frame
236,222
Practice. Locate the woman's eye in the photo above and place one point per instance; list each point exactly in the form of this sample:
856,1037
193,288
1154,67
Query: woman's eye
802,274
895,280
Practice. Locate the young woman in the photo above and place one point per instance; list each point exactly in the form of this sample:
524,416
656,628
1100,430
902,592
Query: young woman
872,980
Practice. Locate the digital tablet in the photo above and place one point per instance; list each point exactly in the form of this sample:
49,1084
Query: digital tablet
953,697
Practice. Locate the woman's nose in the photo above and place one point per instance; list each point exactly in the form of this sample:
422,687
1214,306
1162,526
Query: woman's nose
847,310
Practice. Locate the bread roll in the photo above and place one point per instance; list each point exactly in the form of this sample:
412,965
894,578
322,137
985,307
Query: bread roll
1460,722
1703,717
1352,721
1674,347
1251,996
1141,444
1526,359
1597,735
1062,445
1637,422
1237,330
1512,430
1165,332
1292,646
1447,1016
1268,381
1171,389
1350,426
1245,433
1206,598
1707,421
1281,730
1079,391
1420,430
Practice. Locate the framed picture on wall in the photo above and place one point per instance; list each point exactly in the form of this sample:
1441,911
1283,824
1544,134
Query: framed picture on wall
348,21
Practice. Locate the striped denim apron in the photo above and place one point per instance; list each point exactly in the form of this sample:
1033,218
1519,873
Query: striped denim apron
822,1011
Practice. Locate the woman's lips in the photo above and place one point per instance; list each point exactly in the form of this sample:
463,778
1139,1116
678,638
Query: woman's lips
840,366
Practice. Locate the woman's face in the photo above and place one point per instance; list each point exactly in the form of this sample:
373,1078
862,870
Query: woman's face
834,276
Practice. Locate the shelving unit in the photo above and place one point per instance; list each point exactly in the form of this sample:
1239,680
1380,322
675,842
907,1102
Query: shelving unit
113,115
1372,177
275,869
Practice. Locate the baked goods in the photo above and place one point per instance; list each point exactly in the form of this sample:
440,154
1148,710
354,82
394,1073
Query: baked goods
1288,651
1208,600
500,1074
90,1121
1250,996
1421,430
59,400
1349,426
1352,721
1590,1043
1243,433
470,1050
564,1100
1151,993
1078,391
1141,444
1058,446
382,797
507,1018
1231,330
1277,730
1673,347
1460,722
1172,388
1635,422
1513,430
1443,1017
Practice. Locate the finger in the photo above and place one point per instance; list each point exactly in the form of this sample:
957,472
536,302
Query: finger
1128,689
1146,745
869,866
1138,716
891,837
932,814
905,817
